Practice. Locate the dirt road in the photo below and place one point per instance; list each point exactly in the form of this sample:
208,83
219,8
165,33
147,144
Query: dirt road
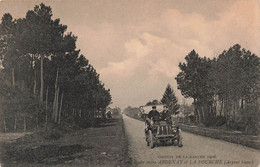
197,150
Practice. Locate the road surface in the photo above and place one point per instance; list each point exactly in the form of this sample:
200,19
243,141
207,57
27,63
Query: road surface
197,150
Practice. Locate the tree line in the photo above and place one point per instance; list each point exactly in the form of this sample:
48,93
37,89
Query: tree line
225,89
169,98
44,78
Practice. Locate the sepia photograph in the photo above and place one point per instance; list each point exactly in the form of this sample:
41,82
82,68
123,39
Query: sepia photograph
130,83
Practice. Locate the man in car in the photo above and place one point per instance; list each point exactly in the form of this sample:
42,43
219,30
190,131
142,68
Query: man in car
165,114
153,113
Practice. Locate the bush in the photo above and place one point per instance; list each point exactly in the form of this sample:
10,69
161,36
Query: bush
52,135
210,120
237,125
251,118
192,118
220,120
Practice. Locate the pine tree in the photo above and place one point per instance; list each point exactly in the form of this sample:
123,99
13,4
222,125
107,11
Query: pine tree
170,99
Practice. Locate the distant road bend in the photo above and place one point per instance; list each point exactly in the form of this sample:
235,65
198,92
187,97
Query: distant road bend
197,150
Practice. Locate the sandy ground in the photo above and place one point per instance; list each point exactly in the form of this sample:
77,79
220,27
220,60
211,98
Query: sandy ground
197,150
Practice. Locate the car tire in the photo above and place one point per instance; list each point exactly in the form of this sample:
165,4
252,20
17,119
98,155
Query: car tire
151,139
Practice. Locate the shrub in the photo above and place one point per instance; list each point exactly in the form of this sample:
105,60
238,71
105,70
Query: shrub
210,120
251,118
192,118
220,120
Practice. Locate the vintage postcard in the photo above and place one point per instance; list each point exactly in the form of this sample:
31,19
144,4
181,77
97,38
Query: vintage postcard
147,83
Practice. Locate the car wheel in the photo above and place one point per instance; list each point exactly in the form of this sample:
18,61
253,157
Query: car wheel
151,139
180,142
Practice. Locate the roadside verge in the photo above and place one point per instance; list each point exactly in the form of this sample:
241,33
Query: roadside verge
105,145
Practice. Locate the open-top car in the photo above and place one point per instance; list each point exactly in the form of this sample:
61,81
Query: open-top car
158,130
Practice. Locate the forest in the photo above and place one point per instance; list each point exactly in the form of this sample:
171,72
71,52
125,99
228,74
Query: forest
43,77
224,89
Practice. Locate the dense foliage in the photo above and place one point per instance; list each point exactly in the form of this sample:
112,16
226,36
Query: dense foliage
226,88
43,77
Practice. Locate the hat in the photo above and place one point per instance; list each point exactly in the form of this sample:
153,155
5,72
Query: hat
154,107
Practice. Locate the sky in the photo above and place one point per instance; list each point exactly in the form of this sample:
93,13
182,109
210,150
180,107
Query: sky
136,45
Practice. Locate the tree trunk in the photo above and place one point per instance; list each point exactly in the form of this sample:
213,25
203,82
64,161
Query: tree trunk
221,109
34,84
196,110
225,108
24,123
242,103
37,119
42,82
54,105
46,107
55,96
13,80
80,113
203,114
4,125
234,110
57,106
60,108
103,114
199,116
15,121
92,117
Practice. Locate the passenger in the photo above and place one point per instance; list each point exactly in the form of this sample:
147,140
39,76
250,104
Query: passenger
165,115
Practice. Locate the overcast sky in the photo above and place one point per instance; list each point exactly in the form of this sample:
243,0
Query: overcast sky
136,45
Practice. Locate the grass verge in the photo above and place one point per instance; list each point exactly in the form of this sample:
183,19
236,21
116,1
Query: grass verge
230,136
105,145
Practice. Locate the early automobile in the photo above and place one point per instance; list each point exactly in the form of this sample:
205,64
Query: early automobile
159,131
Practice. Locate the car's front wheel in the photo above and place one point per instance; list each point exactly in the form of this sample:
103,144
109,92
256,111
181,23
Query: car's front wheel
151,138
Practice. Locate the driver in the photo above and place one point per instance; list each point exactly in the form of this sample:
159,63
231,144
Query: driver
153,113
